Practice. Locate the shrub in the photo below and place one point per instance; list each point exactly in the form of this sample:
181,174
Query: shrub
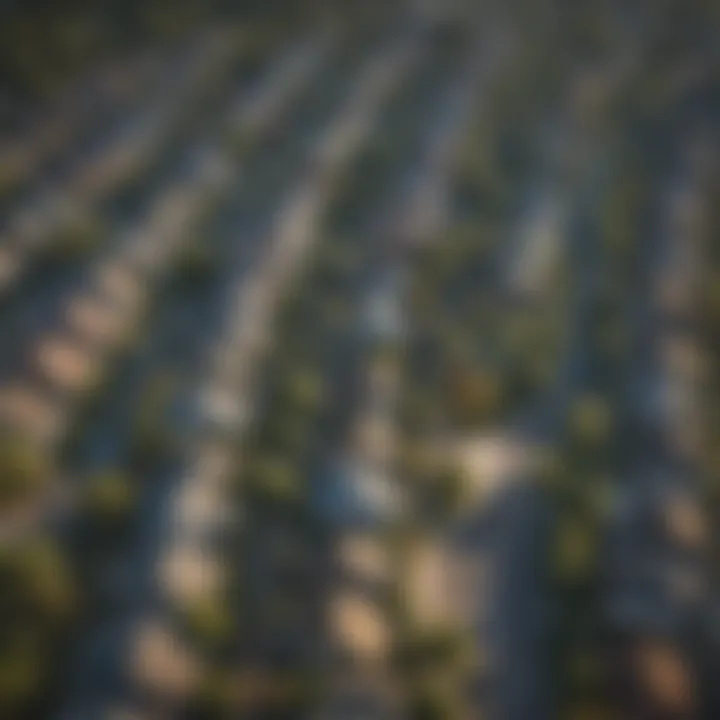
711,296
110,497
448,491
285,432
37,605
24,470
151,435
22,677
217,697
237,141
475,396
210,624
429,650
75,239
575,548
590,421
195,265
303,389
273,480
426,702
39,587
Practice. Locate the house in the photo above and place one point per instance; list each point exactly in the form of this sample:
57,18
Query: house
99,325
189,574
359,627
67,366
119,284
30,411
356,495
161,664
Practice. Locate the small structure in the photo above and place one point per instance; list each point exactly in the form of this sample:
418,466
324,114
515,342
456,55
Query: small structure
356,496
359,627
120,286
489,462
99,325
189,575
364,557
10,260
665,678
29,411
383,319
161,664
68,367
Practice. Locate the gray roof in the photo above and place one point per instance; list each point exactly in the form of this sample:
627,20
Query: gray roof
352,494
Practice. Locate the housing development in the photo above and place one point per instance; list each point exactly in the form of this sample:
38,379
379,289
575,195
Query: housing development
360,360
